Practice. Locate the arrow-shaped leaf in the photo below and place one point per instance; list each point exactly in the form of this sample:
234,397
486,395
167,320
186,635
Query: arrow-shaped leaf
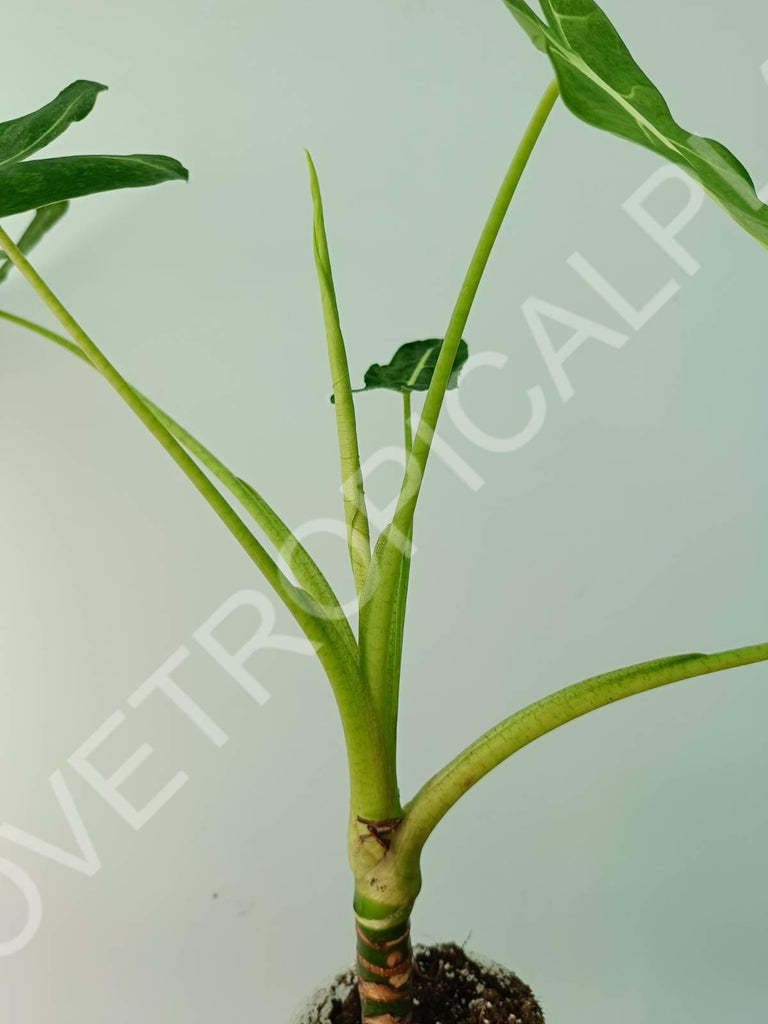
24,136
412,366
601,84
35,183
42,222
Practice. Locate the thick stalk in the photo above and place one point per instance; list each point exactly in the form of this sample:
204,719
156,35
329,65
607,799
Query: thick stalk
384,898
385,972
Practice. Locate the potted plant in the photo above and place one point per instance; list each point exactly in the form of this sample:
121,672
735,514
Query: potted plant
599,81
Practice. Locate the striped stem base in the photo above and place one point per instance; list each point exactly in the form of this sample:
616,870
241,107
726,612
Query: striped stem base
385,974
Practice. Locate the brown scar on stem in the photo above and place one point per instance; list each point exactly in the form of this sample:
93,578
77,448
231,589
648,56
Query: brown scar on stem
401,970
379,993
381,830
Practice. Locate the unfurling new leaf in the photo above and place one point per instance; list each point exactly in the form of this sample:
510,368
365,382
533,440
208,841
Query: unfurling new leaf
601,84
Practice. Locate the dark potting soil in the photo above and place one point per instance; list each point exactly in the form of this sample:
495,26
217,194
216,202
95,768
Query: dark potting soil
452,988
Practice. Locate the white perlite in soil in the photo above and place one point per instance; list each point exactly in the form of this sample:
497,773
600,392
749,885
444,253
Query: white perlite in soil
318,1008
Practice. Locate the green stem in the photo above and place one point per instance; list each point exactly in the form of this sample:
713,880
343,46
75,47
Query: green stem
86,348
391,701
381,615
384,678
385,972
437,797
90,352
58,339
309,575
434,400
407,425
366,748
307,572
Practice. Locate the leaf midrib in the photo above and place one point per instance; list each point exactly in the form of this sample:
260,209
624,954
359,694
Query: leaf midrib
420,366
581,65
35,144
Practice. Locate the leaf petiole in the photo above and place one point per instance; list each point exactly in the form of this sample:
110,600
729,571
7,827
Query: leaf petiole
446,788
408,427
377,643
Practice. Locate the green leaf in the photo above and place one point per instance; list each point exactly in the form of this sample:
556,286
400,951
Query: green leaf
42,222
36,183
24,136
412,366
530,23
601,84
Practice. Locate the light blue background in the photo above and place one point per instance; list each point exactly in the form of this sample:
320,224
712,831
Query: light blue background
619,864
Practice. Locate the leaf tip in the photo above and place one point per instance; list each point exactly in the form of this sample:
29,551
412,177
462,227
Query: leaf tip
312,170
83,94
95,86
175,169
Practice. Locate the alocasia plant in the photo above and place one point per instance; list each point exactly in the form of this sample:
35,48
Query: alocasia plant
599,82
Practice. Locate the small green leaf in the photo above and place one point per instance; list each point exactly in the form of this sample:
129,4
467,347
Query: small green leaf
24,136
601,84
412,366
36,183
42,222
